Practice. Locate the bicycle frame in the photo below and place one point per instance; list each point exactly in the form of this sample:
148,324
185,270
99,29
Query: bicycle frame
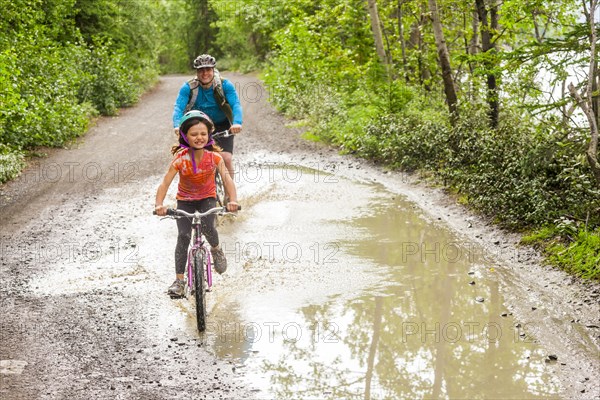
198,243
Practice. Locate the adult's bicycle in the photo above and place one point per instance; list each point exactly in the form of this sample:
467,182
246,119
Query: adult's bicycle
198,274
221,200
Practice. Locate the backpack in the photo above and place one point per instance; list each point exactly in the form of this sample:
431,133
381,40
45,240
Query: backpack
219,96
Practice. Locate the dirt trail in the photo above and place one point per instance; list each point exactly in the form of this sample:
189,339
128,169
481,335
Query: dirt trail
104,326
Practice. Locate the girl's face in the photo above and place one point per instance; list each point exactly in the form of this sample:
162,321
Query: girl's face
197,135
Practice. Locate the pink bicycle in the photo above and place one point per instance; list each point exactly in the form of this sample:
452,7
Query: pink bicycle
198,276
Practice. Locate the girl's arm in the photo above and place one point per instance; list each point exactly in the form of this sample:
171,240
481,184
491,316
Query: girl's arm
229,187
161,192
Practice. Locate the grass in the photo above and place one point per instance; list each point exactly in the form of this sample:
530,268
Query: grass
578,254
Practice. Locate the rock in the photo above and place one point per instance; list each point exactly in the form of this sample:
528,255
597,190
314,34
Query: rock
551,358
479,299
472,283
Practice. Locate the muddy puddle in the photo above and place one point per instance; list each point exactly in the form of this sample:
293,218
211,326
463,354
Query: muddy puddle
343,290
335,289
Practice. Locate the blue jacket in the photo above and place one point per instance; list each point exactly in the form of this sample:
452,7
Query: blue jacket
206,103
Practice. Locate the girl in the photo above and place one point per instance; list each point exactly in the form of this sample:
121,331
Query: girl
196,162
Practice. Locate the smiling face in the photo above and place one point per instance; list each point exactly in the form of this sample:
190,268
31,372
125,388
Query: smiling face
197,135
205,75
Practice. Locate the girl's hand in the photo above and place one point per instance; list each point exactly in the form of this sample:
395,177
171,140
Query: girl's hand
161,210
232,206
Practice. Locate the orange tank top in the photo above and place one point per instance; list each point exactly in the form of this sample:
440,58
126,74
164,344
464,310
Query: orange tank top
200,184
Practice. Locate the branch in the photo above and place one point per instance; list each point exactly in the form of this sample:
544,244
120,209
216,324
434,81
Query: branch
592,151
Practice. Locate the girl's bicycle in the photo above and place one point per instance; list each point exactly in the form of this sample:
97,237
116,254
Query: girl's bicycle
198,276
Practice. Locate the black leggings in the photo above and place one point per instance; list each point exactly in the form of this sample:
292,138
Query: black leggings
184,226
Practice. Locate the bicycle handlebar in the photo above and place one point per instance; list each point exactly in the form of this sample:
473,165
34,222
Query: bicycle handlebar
174,212
224,134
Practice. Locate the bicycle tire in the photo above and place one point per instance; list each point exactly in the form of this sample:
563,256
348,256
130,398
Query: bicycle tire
200,295
220,190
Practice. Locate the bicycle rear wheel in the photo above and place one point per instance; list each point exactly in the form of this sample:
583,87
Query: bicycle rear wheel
200,295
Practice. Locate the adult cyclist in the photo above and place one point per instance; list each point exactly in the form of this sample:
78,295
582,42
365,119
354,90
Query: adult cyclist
215,97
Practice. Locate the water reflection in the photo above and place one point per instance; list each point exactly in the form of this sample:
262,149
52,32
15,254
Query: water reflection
420,333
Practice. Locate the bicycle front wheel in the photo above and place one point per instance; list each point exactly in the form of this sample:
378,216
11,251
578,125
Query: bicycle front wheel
220,190
199,267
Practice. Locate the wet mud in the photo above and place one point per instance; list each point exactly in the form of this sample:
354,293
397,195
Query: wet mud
345,280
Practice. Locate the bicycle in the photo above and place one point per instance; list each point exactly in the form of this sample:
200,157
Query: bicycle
221,201
199,261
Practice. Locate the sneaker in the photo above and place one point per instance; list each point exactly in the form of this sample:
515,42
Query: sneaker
177,288
219,260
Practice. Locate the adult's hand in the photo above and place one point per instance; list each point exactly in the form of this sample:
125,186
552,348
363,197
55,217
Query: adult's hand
232,206
235,128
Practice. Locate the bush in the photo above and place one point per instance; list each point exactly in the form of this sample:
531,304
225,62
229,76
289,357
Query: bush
108,81
42,108
12,161
52,81
521,176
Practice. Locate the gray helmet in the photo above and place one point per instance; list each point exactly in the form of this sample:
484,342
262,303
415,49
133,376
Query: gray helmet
205,61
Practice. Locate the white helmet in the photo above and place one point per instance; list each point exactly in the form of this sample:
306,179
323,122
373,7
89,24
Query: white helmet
205,61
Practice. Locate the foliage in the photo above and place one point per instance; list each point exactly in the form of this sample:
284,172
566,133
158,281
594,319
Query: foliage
11,163
173,50
108,80
40,109
520,176
63,61
528,171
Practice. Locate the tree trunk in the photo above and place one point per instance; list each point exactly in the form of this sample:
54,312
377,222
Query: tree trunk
474,44
377,35
416,42
444,60
402,41
596,94
587,104
592,151
489,46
